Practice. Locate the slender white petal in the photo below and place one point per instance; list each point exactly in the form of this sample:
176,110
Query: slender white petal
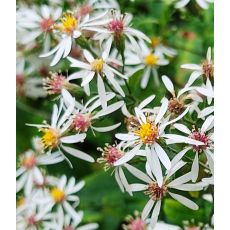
138,173
155,214
168,84
162,111
191,67
106,129
195,168
148,207
180,180
79,154
73,138
126,137
138,187
182,128
101,91
146,101
162,156
185,201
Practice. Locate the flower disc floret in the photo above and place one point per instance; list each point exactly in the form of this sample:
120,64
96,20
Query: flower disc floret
147,132
57,194
155,192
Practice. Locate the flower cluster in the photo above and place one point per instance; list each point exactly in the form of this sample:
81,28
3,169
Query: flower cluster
166,144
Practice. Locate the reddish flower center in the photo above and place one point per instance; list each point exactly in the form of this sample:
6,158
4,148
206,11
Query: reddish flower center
68,228
55,83
175,106
81,122
116,26
20,80
137,224
155,192
32,221
29,162
46,24
196,135
113,154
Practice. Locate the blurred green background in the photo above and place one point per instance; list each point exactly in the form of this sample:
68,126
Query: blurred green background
190,32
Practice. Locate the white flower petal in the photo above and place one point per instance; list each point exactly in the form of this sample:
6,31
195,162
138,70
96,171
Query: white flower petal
180,180
162,111
138,187
147,209
195,168
162,156
185,201
101,91
73,138
168,84
79,154
155,214
138,173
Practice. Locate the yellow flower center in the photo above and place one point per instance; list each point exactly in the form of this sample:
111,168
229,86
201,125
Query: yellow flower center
50,138
155,41
97,65
57,194
147,132
21,201
150,59
68,23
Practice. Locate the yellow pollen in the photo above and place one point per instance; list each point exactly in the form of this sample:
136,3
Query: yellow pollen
68,23
150,59
97,65
21,201
50,138
155,41
147,132
57,194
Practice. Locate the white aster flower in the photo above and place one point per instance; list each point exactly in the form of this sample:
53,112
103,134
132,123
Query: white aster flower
204,135
112,158
202,3
63,197
36,22
33,217
206,69
95,6
119,27
55,135
162,48
148,60
148,131
29,174
178,101
71,28
65,222
28,86
83,116
99,68
158,186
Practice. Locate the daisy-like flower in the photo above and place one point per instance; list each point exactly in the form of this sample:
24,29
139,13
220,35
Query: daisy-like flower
111,154
149,61
55,135
28,86
57,82
63,197
136,223
95,7
204,135
161,48
36,22
119,28
157,186
63,221
178,102
33,217
29,174
99,68
71,28
202,3
147,130
206,69
84,116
